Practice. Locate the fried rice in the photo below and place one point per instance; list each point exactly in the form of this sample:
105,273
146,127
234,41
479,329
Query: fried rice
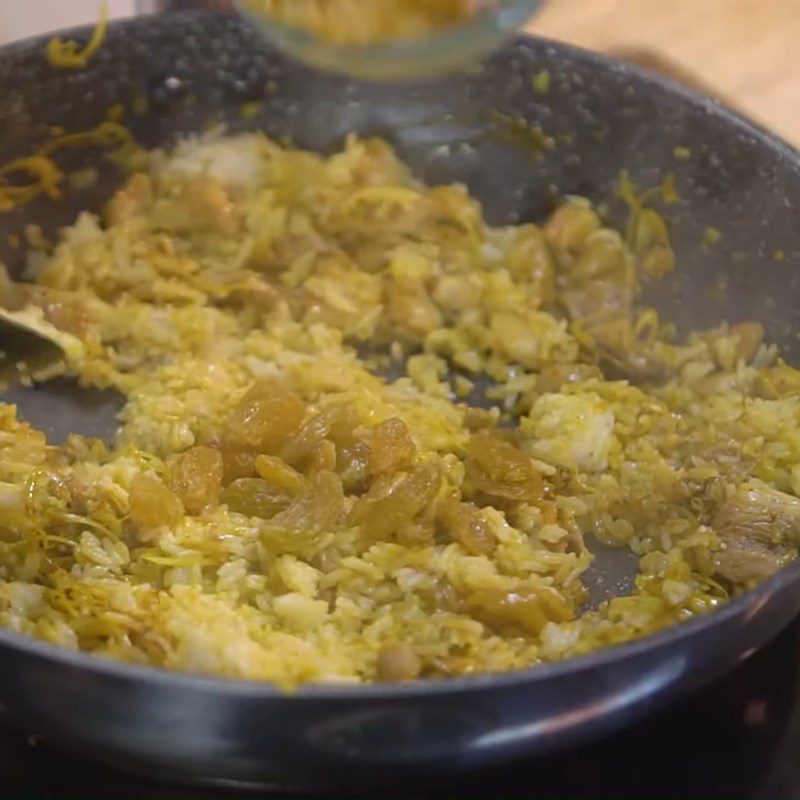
368,436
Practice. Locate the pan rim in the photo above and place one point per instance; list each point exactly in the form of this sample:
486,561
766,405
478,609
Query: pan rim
105,667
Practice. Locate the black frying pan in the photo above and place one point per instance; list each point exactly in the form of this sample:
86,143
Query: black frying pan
603,117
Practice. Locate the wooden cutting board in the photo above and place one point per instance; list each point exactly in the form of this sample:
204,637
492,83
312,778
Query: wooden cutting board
746,51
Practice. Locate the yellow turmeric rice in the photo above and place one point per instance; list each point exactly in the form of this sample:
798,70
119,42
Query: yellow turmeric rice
275,508
355,22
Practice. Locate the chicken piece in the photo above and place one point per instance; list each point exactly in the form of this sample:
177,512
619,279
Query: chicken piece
574,431
554,376
131,201
751,337
196,205
778,381
651,244
568,228
342,296
622,354
529,259
398,662
236,162
411,309
597,301
457,293
760,531
529,339
598,280
64,310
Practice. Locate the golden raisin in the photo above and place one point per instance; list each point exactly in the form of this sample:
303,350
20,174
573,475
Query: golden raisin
279,473
152,504
528,609
498,468
394,500
328,441
549,515
467,526
353,464
398,662
254,497
335,423
416,534
196,477
392,447
319,508
324,457
237,464
265,419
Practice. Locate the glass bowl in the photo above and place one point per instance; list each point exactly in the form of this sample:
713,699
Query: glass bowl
446,50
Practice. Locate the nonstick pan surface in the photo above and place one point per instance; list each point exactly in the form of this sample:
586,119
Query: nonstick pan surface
198,69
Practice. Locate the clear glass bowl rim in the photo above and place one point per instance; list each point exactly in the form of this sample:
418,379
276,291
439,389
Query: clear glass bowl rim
446,49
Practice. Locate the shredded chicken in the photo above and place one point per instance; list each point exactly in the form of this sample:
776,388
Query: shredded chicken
760,530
